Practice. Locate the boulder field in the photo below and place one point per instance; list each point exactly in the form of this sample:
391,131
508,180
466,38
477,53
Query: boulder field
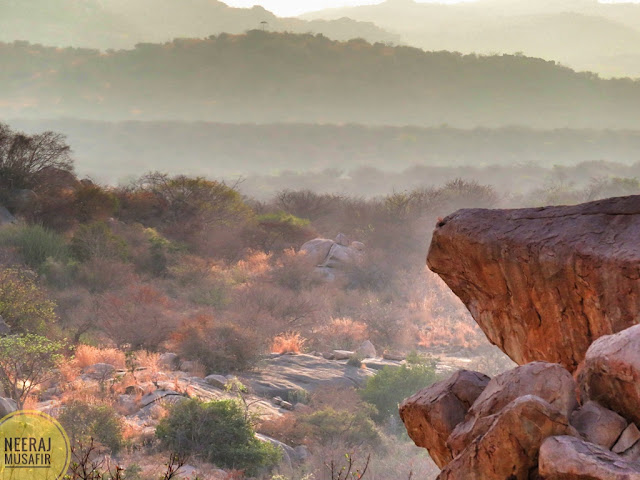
557,289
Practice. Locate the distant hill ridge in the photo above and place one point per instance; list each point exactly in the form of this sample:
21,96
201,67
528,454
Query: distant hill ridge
584,34
271,77
123,23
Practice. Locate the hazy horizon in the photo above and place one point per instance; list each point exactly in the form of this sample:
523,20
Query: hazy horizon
289,8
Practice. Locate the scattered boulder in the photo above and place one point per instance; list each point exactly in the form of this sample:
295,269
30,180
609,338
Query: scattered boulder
379,364
569,458
342,354
598,425
548,381
431,414
333,257
5,217
509,448
544,283
218,381
366,350
611,373
7,406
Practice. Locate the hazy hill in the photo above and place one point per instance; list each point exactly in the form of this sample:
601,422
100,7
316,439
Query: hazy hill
123,23
584,34
265,77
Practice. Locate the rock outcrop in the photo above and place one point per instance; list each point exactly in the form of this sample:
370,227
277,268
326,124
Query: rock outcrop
431,414
544,283
7,406
509,449
547,381
558,290
5,217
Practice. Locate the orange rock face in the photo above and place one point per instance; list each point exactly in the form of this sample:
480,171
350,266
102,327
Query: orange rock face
544,283
431,414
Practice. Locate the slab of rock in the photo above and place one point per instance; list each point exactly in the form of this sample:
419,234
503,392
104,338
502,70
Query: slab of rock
342,354
569,458
218,381
544,283
548,381
611,373
292,373
431,414
509,448
598,425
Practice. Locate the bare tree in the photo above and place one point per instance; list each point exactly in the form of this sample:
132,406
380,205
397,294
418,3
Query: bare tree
25,158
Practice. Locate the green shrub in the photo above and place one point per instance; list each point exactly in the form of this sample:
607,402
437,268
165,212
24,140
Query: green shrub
83,421
283,218
23,305
35,243
96,240
391,385
218,432
355,360
332,427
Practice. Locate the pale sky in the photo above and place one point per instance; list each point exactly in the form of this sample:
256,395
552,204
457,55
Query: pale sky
297,7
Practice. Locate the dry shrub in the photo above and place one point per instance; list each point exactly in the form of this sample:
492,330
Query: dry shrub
218,345
87,355
295,271
255,264
285,429
451,333
290,342
99,274
342,334
139,316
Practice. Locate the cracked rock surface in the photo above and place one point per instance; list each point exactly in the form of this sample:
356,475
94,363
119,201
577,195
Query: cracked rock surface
544,283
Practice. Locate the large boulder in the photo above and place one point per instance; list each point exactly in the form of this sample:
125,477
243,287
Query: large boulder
431,414
548,381
544,283
509,448
611,373
333,257
569,458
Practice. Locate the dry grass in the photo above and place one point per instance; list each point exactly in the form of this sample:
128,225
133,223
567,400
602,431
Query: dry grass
86,355
342,333
290,342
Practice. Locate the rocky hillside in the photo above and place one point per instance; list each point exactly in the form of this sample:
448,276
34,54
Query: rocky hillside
556,289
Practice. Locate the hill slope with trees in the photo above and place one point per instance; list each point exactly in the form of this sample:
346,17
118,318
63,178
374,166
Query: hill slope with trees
269,77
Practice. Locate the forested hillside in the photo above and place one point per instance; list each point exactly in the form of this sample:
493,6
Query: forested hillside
267,77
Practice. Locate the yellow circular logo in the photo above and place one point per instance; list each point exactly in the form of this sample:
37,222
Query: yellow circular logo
33,446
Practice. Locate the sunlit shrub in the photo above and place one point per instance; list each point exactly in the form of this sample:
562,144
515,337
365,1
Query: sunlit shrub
290,342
